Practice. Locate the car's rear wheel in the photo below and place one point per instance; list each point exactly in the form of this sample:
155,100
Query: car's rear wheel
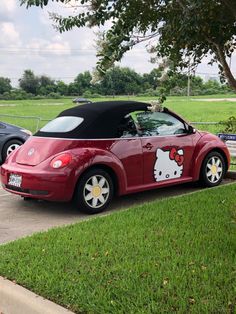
9,147
94,191
213,169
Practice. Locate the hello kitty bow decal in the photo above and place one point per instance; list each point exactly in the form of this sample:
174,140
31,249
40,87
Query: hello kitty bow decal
174,155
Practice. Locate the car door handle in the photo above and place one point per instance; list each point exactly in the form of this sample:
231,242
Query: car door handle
148,146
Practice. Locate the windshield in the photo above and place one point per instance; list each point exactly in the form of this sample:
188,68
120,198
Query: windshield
62,124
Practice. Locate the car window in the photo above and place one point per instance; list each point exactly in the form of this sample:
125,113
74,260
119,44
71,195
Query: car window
158,123
62,124
127,127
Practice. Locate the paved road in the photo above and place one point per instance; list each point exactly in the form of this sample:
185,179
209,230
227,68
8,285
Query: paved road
19,218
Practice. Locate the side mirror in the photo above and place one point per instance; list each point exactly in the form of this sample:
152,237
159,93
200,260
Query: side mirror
191,130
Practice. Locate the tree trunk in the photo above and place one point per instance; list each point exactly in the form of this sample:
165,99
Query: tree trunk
227,71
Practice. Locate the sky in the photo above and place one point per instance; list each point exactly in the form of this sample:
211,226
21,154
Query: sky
29,41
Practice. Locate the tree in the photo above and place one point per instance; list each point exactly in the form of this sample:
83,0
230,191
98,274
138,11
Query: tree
61,88
121,81
29,82
5,85
83,82
152,78
46,85
185,30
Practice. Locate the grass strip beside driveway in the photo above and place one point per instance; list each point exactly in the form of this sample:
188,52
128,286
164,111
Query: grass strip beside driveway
172,255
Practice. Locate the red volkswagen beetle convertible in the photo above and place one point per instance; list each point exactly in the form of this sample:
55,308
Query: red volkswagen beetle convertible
92,151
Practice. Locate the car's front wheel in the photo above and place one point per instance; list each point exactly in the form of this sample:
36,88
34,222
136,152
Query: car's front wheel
213,169
94,191
9,147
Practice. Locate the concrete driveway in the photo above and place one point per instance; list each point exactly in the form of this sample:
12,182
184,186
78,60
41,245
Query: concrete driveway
19,218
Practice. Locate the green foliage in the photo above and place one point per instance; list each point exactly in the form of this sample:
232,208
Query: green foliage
121,81
16,94
230,125
62,88
5,85
185,30
54,95
87,94
116,81
29,82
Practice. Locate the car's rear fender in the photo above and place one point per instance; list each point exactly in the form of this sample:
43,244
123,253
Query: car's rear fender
88,158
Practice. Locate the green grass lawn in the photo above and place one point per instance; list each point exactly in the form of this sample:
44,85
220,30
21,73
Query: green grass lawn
176,255
189,108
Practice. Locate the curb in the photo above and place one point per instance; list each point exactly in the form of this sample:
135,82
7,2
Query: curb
231,175
15,299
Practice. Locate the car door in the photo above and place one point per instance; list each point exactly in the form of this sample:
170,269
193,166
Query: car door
167,148
128,149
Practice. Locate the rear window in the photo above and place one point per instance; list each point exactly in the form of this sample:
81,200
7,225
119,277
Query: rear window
62,124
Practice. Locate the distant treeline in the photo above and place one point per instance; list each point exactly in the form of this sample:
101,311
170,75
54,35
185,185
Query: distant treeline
117,81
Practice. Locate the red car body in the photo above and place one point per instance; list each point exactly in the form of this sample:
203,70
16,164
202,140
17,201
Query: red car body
128,160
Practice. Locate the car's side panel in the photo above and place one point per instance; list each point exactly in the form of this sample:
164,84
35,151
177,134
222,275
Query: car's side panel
129,152
122,156
95,157
167,158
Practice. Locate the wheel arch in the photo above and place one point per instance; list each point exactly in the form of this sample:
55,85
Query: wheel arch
215,149
106,168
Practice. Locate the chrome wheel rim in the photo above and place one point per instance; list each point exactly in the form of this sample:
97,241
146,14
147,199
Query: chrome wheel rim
214,169
11,148
96,191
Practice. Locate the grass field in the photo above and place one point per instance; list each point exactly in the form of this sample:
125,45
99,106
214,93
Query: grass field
193,109
176,255
190,108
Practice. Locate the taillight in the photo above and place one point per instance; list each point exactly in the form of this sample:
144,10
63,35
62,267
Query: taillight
61,161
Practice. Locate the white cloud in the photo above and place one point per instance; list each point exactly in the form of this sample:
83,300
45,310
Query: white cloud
8,6
42,47
9,35
59,48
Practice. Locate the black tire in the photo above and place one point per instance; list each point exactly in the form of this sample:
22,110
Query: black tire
8,145
96,193
213,169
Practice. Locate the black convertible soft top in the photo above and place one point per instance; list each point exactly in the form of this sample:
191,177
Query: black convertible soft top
101,119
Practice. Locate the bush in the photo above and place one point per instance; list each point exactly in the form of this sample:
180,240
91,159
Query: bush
150,92
87,94
178,91
39,97
230,125
16,94
95,95
54,96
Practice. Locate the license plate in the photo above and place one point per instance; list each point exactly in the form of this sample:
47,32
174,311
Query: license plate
15,180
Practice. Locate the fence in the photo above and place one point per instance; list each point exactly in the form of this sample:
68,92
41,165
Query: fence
25,121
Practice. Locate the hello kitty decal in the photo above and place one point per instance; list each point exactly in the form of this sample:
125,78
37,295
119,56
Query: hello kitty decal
169,164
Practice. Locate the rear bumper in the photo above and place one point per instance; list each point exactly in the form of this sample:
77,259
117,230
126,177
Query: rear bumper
42,185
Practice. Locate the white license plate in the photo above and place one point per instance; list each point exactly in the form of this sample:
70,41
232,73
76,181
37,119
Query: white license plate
15,180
